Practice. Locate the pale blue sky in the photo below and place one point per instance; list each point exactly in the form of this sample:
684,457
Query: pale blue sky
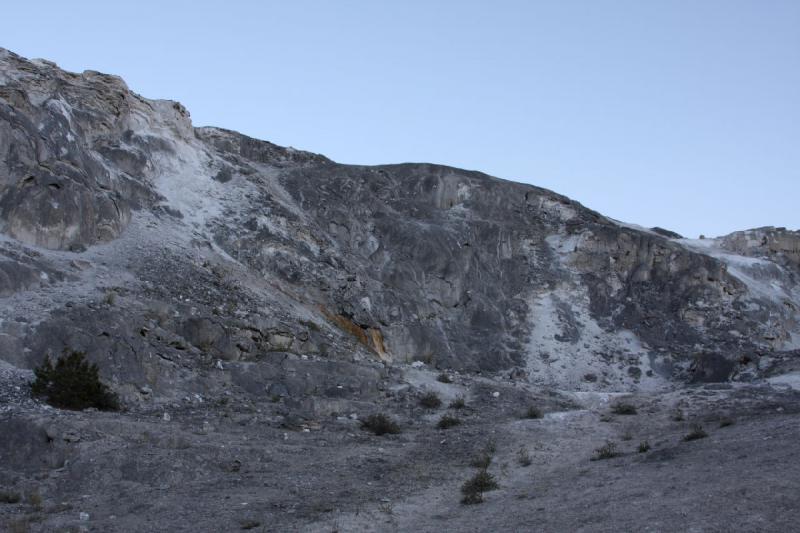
683,114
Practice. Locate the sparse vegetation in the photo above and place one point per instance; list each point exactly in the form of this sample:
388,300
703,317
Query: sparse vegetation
606,451
72,383
10,497
249,524
444,378
380,424
482,461
484,458
110,297
678,415
696,432
523,457
430,400
628,435
533,412
458,403
473,488
624,408
491,447
644,447
34,499
448,421
726,421
472,498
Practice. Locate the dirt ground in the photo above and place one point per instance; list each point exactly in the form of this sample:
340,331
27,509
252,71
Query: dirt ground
247,463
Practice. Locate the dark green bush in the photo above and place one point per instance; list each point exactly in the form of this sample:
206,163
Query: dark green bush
472,498
533,412
623,408
73,383
697,432
380,424
606,451
523,457
444,377
473,488
10,497
430,400
644,447
447,421
458,403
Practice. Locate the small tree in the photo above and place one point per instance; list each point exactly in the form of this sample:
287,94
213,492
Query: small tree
474,487
72,383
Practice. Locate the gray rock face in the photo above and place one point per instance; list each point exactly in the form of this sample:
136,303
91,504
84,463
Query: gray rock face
222,247
252,304
777,244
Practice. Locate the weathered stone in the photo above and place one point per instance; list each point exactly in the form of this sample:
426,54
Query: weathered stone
272,250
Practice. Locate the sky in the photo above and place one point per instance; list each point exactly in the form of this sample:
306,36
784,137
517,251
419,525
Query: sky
683,114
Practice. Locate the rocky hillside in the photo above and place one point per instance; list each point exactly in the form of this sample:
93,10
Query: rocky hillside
251,303
128,233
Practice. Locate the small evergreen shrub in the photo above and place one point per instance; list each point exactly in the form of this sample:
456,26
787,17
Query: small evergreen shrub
644,447
458,403
473,488
447,421
623,408
72,383
10,497
472,498
444,378
430,400
606,451
523,457
697,432
533,412
380,424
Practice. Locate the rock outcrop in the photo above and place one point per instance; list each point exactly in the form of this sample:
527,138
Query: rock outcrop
160,249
